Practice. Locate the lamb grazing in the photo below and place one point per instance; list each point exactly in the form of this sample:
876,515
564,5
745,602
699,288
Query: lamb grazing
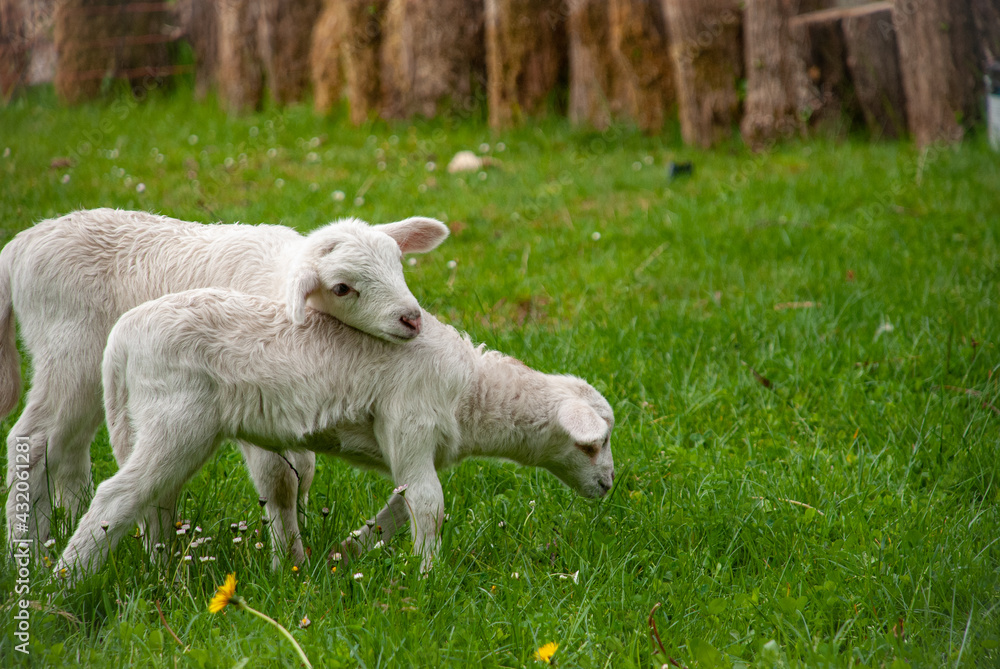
68,280
188,370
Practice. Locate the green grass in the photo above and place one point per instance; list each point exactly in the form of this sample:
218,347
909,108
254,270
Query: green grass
892,558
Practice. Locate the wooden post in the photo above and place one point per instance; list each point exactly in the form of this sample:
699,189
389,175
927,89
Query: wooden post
201,21
285,36
639,39
432,56
594,71
15,48
325,58
776,76
707,52
525,56
362,56
241,77
938,61
873,60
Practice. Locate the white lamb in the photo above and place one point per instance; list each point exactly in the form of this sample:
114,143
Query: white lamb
69,279
188,370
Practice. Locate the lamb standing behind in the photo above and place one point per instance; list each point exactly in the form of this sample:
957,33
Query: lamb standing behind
188,370
69,279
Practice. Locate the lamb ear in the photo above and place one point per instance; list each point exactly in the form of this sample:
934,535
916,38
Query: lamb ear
416,234
303,280
581,422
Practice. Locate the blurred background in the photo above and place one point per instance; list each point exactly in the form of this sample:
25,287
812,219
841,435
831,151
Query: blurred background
771,68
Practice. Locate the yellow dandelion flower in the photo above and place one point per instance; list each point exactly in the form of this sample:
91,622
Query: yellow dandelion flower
226,594
545,653
223,595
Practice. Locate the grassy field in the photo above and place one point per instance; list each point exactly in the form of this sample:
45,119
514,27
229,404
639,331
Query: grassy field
800,347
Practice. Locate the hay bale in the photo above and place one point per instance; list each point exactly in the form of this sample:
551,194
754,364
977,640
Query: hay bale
639,37
361,53
325,60
240,73
525,56
706,49
432,56
285,39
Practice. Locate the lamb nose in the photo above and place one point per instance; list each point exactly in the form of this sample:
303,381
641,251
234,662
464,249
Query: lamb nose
412,323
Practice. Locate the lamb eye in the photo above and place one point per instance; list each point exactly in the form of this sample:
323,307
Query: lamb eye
341,289
589,450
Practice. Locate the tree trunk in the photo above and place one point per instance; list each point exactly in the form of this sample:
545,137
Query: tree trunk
241,79
286,34
873,60
639,36
432,56
361,53
326,63
707,53
776,76
594,71
15,46
525,56
937,56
